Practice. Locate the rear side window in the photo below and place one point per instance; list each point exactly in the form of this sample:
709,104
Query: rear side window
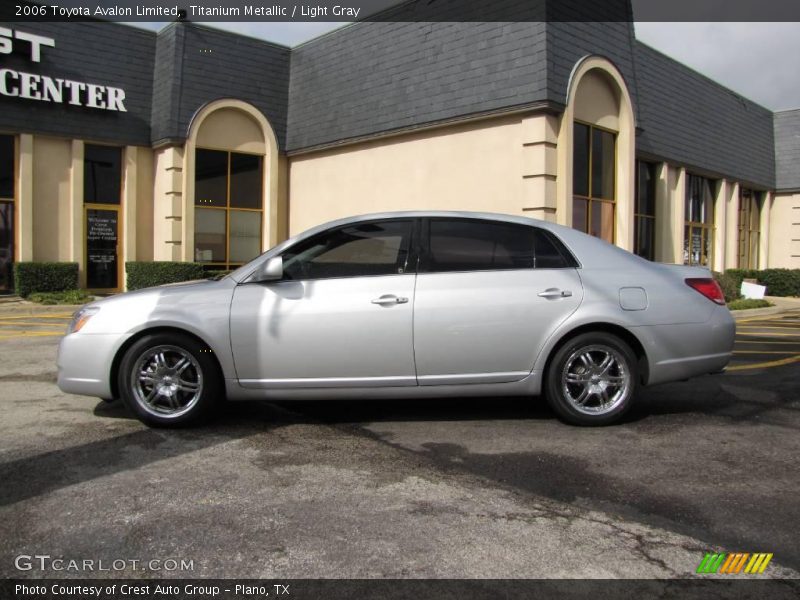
465,245
549,252
474,245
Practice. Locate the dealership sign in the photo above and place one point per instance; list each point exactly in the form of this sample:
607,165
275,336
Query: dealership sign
31,86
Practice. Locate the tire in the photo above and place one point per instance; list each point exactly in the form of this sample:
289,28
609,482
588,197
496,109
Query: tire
169,380
592,379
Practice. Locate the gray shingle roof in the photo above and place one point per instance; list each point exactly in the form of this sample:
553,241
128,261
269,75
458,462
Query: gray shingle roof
196,65
787,150
687,118
375,77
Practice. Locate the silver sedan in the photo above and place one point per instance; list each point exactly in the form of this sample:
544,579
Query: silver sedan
402,305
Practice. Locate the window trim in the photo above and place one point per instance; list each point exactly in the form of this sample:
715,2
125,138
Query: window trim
589,198
228,264
425,240
412,253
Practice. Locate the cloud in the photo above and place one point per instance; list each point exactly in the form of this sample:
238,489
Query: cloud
757,60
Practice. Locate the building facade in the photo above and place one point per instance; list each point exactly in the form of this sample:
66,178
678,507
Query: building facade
194,144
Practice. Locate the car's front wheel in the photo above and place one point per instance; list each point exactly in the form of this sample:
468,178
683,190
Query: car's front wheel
591,379
169,380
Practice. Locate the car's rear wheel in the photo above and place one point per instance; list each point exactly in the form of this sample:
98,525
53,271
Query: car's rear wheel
169,380
592,379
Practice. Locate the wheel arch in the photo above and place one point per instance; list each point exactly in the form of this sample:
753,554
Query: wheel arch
123,349
621,332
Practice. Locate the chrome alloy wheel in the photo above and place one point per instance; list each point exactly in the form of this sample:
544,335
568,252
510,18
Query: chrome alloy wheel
166,381
595,379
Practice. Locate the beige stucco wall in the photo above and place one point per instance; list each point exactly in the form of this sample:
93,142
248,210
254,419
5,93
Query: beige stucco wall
476,166
784,231
52,162
167,202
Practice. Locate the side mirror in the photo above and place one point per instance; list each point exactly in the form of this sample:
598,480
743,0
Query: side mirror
271,270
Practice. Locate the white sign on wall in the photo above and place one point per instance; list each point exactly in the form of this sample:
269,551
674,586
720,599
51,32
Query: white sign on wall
32,86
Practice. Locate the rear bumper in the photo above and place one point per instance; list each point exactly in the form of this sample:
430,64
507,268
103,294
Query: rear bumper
84,363
678,352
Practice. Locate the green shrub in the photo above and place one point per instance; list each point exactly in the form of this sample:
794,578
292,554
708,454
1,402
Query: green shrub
730,284
67,297
745,303
780,282
149,274
30,277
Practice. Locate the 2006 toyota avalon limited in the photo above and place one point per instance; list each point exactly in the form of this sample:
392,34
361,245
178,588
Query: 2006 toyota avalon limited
401,305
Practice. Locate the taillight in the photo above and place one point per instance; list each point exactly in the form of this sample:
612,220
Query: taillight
708,287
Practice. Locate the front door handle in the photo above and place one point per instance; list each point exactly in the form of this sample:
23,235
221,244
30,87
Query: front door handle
555,293
388,299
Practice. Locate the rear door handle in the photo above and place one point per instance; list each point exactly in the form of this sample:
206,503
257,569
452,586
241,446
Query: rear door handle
388,299
555,293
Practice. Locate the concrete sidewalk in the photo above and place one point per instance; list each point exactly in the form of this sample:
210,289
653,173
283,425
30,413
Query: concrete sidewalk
14,305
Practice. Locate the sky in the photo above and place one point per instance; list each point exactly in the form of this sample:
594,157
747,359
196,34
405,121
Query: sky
760,61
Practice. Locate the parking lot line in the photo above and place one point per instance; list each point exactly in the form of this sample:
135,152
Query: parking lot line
25,334
765,365
48,316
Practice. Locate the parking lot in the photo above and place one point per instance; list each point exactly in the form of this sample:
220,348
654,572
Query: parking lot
455,488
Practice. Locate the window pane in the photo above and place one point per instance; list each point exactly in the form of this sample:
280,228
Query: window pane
645,189
102,174
603,159
6,166
602,223
246,181
209,235
463,245
579,220
580,165
546,254
644,237
379,248
211,178
245,235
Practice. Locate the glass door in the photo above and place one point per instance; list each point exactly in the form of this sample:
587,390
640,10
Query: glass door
102,248
6,246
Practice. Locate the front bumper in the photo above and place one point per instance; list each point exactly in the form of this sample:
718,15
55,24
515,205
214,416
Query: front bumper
84,363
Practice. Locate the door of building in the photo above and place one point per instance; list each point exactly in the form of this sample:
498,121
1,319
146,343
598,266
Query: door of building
6,246
102,248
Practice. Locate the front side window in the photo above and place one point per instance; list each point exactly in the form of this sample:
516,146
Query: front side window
470,245
358,250
749,228
698,242
645,210
229,206
594,180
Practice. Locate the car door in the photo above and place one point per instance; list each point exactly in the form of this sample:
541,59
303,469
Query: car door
488,295
340,317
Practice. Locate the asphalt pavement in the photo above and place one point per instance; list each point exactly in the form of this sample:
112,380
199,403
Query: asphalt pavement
442,488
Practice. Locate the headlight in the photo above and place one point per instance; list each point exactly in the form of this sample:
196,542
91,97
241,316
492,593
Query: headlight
81,317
